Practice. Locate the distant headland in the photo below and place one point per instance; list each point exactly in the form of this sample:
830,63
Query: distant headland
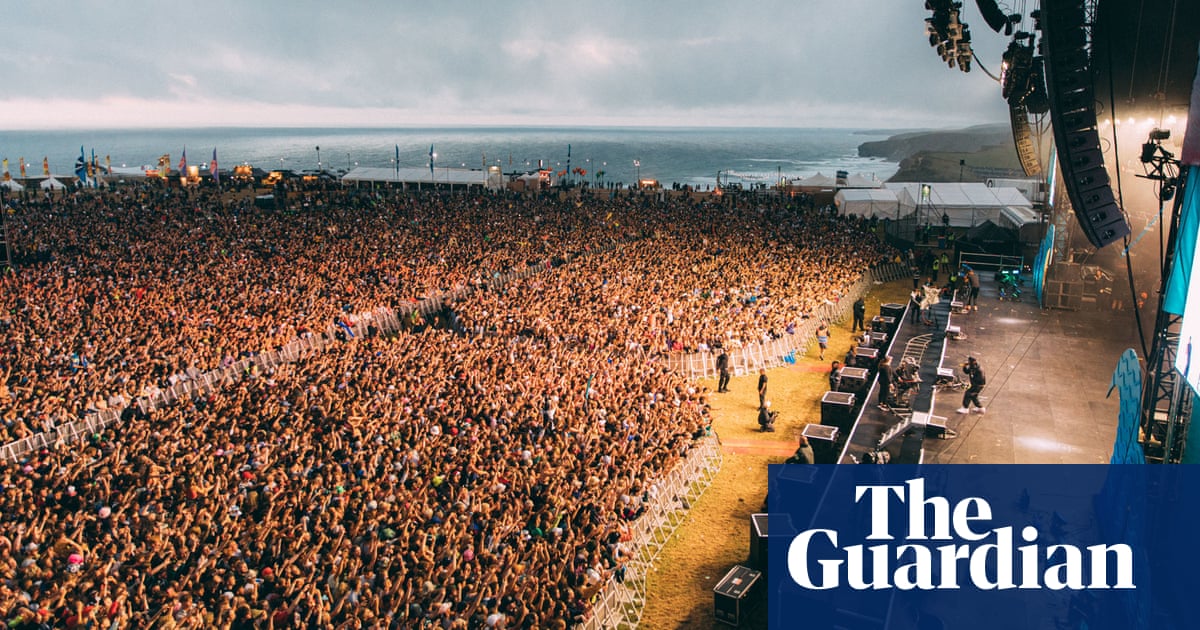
970,154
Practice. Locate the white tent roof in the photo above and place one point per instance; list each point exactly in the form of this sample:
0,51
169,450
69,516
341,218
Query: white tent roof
967,205
1017,216
858,180
815,181
51,183
440,175
867,202
12,185
955,195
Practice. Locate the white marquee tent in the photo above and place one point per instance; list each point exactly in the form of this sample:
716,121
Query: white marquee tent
441,176
867,202
51,183
966,204
12,185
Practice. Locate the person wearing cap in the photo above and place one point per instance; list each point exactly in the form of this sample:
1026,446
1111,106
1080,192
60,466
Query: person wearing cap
977,381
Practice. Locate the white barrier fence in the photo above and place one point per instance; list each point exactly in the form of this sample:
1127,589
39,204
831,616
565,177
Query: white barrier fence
384,319
751,357
620,603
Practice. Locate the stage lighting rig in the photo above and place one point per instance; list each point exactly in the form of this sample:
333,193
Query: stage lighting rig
948,34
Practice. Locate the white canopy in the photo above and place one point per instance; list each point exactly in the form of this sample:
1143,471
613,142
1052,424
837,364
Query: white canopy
858,180
816,181
422,176
966,205
12,185
867,202
51,183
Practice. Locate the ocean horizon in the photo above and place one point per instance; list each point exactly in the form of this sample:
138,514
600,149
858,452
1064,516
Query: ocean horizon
684,155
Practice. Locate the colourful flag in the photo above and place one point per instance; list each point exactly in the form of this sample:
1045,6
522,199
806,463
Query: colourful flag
183,163
22,168
81,167
6,175
108,164
431,156
46,166
213,168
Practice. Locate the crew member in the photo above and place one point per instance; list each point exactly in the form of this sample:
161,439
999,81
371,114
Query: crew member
860,312
723,371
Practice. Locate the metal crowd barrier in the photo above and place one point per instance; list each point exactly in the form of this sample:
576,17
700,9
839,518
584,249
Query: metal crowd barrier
751,357
387,319
620,602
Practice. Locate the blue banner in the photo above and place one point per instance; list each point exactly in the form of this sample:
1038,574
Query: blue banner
983,547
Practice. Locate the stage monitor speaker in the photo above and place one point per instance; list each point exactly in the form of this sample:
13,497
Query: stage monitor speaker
760,535
884,324
893,310
1073,116
732,596
824,442
853,380
879,340
837,410
865,357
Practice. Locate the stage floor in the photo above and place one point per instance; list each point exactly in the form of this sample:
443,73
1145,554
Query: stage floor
1048,372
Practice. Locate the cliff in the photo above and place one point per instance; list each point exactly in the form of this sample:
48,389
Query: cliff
970,154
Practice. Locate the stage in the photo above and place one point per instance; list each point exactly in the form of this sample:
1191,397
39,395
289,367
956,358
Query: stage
1048,372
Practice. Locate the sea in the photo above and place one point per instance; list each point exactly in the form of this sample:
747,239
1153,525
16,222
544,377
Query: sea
691,156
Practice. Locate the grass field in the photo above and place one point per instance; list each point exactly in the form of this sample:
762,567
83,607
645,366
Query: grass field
716,533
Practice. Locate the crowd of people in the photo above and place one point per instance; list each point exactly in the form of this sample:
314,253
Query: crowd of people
476,473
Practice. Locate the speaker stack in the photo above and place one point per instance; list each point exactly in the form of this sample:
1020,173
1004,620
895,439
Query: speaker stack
853,380
824,442
837,410
1073,114
893,310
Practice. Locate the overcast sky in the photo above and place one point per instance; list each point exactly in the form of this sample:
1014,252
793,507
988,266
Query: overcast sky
807,63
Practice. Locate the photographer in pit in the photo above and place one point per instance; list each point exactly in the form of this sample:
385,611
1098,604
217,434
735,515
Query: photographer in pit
766,417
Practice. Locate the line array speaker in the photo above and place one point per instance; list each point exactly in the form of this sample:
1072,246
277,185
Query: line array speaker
1073,116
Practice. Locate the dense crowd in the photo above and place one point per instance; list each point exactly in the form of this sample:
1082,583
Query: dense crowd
476,475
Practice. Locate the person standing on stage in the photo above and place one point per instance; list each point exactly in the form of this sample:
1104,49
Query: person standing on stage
860,312
972,290
723,371
977,381
885,381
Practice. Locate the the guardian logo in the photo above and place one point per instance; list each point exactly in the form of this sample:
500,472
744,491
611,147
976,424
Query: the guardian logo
975,554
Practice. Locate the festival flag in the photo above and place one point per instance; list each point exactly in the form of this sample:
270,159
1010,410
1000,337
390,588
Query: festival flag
164,165
46,166
6,175
183,163
81,167
108,164
22,162
213,168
